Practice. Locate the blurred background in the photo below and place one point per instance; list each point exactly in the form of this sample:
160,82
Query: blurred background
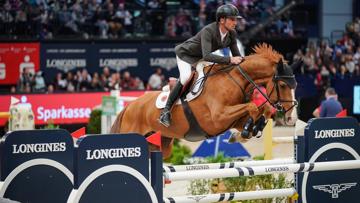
63,56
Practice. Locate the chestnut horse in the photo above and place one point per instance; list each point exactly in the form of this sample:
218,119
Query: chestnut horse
222,104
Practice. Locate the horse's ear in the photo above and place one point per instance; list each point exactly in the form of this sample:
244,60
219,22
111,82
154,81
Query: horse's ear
280,66
298,63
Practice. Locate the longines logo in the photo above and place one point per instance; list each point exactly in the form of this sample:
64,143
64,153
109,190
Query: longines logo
334,189
197,198
334,133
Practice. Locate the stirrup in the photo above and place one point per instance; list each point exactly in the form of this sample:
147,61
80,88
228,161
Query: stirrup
163,118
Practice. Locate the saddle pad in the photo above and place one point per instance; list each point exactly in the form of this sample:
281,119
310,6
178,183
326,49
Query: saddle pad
163,96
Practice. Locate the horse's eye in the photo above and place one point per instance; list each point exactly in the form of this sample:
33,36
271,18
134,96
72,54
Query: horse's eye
282,85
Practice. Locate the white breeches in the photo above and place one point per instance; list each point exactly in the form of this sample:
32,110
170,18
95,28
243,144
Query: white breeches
184,69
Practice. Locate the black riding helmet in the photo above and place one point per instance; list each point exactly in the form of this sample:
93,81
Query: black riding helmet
227,10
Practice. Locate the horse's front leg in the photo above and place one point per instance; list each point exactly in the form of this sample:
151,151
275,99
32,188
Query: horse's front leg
264,113
226,116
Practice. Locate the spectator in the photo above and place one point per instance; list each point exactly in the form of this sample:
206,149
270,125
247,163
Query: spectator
39,82
60,83
84,80
25,80
96,83
71,83
139,84
127,82
331,106
156,80
50,89
114,83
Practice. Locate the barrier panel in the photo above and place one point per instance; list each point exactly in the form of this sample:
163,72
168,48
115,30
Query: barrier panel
36,166
329,139
110,168
43,166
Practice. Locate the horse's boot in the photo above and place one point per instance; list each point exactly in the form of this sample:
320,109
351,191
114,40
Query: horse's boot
165,116
247,127
259,126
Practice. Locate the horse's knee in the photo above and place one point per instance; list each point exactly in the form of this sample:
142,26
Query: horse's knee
253,110
218,119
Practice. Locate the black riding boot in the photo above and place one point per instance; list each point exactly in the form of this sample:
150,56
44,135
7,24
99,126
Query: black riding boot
165,116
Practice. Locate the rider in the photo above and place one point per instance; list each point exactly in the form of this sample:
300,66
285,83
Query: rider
217,35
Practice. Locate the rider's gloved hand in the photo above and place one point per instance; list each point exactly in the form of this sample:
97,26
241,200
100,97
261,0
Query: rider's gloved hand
236,60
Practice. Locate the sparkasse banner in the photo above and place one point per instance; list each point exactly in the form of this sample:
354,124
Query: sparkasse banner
61,108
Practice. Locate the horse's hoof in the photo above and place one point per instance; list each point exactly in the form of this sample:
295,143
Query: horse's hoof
232,139
248,124
256,131
258,135
259,127
245,134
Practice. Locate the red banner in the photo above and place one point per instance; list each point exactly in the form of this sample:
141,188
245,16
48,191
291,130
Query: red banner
61,108
16,56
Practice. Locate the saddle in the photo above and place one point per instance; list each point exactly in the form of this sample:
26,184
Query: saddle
194,83
191,90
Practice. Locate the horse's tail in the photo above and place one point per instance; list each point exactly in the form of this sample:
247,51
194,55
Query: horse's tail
115,128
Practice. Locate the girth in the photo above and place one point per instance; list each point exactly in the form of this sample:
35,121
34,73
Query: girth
195,132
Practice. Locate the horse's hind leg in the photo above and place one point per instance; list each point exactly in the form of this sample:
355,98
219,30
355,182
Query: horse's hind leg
166,145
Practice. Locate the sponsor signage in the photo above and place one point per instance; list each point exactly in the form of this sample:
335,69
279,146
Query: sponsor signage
102,163
61,108
139,59
108,105
43,157
329,139
14,57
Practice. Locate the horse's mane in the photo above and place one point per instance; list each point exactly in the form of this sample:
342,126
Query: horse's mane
266,51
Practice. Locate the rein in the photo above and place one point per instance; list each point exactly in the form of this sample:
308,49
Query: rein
208,74
277,105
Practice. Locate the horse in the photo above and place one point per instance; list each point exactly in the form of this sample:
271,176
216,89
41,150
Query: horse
223,103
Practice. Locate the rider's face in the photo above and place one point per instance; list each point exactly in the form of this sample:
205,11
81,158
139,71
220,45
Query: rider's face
230,23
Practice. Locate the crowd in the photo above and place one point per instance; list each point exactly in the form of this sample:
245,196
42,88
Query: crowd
111,19
82,81
50,19
324,61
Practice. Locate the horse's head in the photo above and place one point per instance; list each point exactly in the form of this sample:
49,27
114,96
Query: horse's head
281,90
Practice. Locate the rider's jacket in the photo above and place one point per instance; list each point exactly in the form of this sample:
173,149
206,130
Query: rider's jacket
207,40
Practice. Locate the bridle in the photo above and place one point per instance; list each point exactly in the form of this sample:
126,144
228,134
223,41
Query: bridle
278,104
289,80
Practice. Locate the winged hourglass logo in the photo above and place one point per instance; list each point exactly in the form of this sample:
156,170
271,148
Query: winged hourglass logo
334,189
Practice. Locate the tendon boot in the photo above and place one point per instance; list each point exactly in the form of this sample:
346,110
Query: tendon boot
165,116
247,127
259,126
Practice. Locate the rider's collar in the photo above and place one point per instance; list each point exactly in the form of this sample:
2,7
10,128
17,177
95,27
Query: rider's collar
222,35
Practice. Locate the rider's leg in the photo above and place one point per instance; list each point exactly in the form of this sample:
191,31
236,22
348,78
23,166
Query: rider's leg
185,72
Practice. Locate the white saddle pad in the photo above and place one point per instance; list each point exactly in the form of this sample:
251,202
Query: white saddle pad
163,96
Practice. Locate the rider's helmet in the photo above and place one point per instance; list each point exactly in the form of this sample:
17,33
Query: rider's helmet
227,10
